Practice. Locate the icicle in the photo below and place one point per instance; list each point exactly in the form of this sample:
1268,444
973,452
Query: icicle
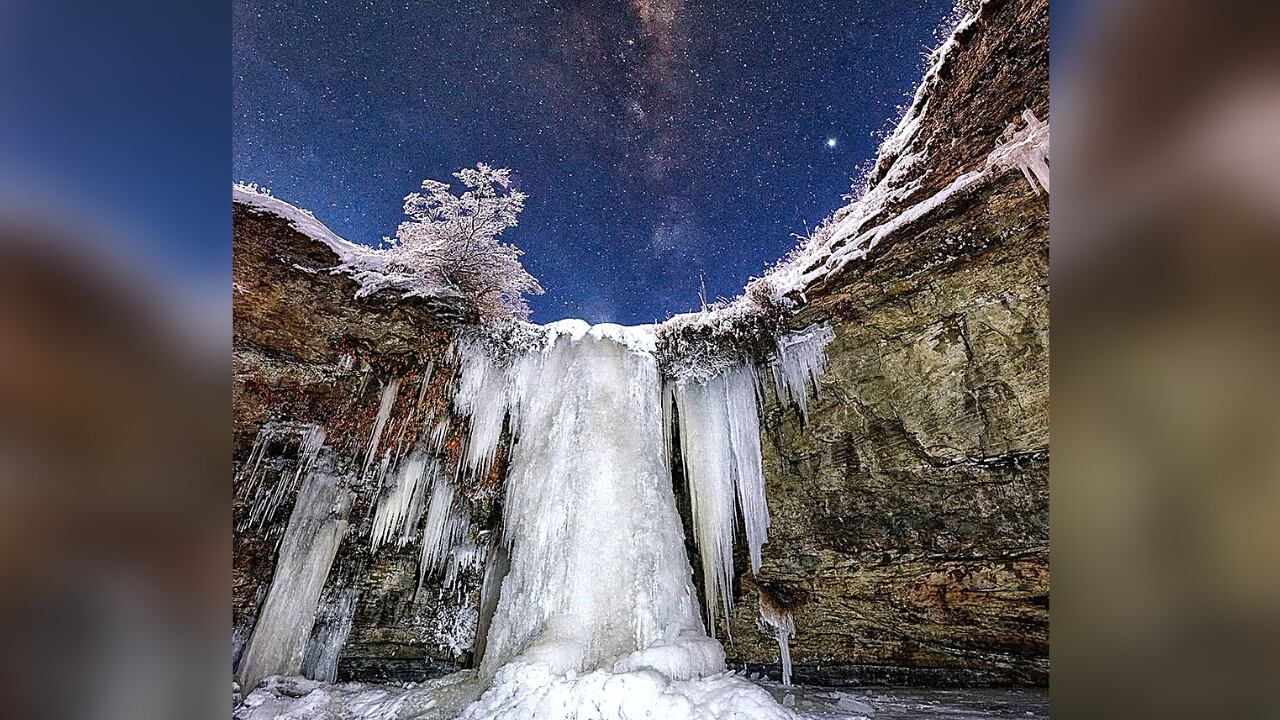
400,508
248,475
333,625
481,396
783,628
704,445
719,422
801,359
388,401
720,444
741,402
1026,149
439,435
446,526
462,558
668,421
269,494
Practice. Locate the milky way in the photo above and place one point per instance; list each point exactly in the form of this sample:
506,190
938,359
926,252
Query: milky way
663,143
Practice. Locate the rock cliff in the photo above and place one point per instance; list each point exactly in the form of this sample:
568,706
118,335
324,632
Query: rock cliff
910,515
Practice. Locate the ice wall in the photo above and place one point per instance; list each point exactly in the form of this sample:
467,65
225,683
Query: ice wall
307,549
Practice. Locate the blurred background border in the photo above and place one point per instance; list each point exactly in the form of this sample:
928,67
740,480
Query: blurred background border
115,375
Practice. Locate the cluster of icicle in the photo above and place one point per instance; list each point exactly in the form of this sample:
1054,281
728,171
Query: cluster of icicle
269,489
410,485
719,429
593,608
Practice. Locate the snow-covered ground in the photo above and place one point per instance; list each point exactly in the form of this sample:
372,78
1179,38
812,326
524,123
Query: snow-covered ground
299,699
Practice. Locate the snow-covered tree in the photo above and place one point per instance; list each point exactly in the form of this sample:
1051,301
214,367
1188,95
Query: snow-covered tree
452,241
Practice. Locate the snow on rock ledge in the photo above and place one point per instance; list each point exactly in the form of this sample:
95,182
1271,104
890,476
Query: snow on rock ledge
364,264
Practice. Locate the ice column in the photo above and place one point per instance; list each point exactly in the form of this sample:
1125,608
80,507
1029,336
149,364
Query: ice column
597,566
332,626
310,541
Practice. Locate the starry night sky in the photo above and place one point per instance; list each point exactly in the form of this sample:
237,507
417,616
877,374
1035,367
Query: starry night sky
663,143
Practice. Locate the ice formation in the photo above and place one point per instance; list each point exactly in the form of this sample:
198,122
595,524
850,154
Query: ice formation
269,492
720,444
800,360
307,549
395,519
1026,149
597,616
388,400
719,429
783,627
332,626
446,526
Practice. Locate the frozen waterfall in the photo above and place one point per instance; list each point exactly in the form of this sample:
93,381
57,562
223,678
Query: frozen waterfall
589,607
597,616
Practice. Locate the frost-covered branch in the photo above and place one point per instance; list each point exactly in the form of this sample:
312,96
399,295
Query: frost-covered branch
452,240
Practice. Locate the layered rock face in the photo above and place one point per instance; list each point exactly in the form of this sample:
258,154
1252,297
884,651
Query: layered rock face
909,536
306,353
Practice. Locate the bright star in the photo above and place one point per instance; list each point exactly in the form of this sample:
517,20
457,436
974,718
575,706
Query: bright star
831,142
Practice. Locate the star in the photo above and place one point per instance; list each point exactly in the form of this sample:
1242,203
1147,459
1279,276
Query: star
626,145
